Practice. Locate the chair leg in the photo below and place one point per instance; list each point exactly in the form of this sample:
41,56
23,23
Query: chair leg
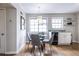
44,46
39,50
28,44
51,49
33,49
42,49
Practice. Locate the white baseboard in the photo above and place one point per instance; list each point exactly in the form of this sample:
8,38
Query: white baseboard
11,52
75,41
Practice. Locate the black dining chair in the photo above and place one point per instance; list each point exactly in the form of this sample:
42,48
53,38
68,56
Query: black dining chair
35,42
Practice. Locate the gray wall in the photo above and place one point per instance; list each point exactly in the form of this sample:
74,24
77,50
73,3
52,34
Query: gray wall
71,29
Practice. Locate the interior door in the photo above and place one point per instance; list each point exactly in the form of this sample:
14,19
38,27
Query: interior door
2,30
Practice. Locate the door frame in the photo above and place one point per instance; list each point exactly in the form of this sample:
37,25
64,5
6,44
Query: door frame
4,31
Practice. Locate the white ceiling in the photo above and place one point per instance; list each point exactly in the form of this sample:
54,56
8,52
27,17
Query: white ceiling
50,7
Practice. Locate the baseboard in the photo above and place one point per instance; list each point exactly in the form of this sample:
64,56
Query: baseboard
75,42
12,52
8,54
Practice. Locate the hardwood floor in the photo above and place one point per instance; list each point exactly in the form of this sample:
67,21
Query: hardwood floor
68,50
57,50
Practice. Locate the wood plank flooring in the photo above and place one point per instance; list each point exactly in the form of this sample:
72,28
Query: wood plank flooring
58,50
68,50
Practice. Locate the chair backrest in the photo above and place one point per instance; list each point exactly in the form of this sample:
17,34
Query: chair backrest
28,35
35,39
51,39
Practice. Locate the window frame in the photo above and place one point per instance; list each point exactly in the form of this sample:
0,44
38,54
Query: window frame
62,23
38,23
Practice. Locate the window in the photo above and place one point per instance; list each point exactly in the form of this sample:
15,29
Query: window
38,25
33,25
42,25
57,23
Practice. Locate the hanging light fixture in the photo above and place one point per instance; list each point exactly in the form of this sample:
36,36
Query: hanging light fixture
39,18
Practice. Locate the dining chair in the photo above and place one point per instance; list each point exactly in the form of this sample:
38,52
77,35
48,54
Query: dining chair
29,39
51,41
48,51
35,42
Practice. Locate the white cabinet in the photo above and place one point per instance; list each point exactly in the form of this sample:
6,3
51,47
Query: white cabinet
64,38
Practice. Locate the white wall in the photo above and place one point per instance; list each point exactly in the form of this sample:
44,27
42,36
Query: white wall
15,37
10,30
77,17
21,34
71,29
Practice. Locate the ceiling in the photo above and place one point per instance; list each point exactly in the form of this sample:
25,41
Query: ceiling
50,7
